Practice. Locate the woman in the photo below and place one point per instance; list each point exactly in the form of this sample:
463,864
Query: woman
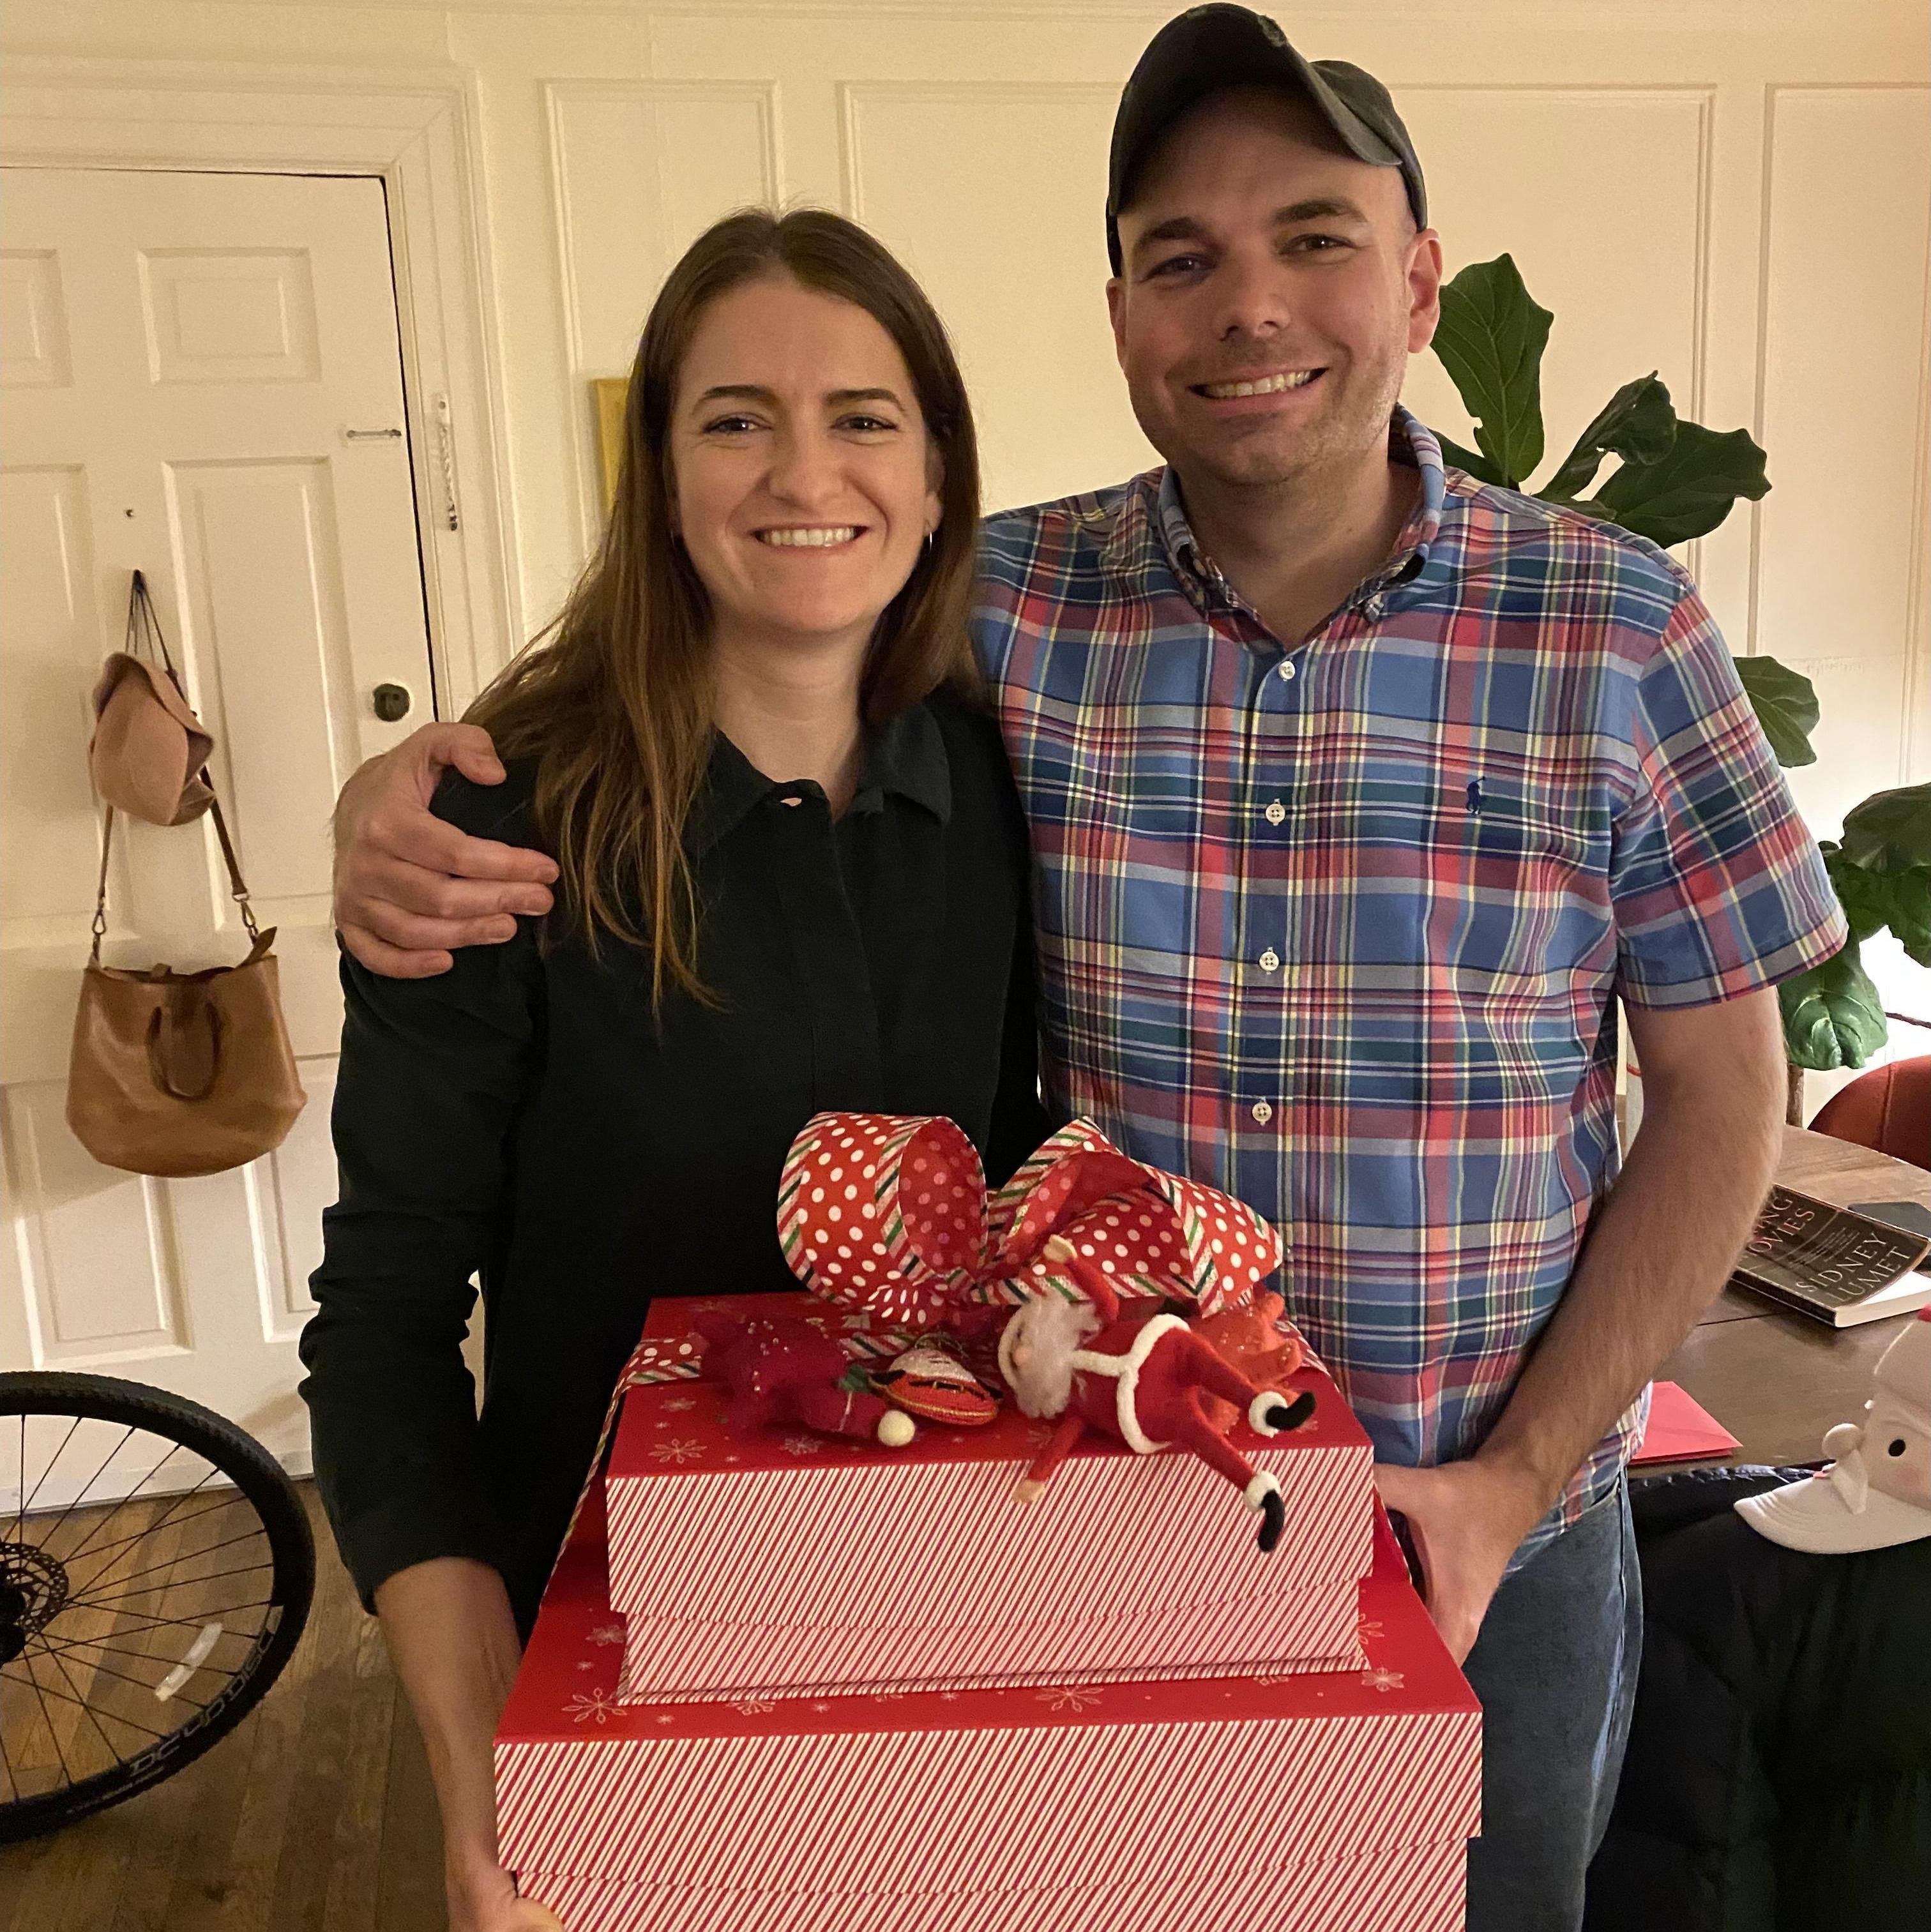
793,878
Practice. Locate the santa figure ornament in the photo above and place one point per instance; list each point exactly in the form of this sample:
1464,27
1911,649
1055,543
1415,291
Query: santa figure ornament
1142,1378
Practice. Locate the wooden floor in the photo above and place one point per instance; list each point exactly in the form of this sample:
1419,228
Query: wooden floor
316,1815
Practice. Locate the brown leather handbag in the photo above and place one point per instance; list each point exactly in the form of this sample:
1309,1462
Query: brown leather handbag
179,1073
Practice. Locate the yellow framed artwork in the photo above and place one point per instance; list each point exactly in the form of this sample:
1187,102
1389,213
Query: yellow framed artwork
612,393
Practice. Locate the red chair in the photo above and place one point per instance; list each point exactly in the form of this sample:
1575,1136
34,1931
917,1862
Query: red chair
1888,1108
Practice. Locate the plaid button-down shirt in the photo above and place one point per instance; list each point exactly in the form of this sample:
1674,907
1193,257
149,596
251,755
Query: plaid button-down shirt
1340,928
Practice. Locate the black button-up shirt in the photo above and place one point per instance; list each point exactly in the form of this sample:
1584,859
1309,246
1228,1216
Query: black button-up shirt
528,1117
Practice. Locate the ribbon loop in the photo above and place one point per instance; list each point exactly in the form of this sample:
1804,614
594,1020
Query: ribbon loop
888,1216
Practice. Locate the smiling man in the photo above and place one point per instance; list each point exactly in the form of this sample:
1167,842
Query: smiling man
1360,792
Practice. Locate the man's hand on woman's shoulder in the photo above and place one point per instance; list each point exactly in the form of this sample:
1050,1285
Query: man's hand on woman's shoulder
410,887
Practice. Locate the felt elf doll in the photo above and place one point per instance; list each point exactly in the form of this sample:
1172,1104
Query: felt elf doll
1140,1377
777,1371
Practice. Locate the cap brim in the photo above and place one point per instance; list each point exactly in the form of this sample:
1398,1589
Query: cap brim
1812,1516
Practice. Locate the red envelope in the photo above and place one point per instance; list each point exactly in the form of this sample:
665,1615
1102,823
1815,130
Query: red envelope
1681,1429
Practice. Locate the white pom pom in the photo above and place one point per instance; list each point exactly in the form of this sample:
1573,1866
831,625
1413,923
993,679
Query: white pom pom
896,1429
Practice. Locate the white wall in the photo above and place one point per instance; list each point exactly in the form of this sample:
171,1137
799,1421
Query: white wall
1738,195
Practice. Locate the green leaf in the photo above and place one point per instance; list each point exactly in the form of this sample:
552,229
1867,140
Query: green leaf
1832,1014
1477,465
1908,911
1891,830
1588,506
1689,491
1785,702
1638,424
1490,340
1873,900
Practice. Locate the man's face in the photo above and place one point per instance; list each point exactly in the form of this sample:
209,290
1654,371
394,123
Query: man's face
1273,288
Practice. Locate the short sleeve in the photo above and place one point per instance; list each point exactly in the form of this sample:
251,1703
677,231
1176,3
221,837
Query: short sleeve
1717,885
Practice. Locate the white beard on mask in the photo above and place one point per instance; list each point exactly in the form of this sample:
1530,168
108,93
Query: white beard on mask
1051,1330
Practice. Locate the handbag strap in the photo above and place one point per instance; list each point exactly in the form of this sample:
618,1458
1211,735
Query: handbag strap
238,886
143,626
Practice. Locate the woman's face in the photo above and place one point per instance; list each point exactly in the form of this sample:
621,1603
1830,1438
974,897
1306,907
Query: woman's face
804,483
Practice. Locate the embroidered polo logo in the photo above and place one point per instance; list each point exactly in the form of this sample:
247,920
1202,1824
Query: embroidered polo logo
1474,796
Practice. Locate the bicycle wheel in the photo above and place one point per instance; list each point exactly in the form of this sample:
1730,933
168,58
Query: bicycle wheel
156,1567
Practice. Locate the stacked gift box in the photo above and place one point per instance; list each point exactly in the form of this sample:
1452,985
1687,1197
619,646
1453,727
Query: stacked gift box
1039,1674
795,1683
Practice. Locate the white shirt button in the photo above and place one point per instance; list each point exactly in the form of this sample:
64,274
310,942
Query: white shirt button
1262,1112
1270,961
1275,813
1287,670
1376,605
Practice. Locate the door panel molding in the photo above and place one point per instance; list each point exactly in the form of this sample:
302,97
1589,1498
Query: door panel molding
416,131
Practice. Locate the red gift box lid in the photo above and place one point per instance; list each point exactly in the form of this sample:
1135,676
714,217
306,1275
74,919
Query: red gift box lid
678,1426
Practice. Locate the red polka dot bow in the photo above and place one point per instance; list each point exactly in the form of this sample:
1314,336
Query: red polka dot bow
889,1214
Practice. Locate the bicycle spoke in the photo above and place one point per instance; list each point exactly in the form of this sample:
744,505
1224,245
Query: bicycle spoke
40,1697
191,1556
65,1643
74,1698
26,1500
124,1545
93,1716
144,1622
108,1670
159,1523
126,1435
178,1522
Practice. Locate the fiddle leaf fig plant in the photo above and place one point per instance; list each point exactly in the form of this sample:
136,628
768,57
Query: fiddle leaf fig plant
1674,480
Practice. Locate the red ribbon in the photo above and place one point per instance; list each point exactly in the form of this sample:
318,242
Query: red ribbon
889,1215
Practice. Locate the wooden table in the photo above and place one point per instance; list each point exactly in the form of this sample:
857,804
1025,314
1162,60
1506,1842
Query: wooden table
1777,1380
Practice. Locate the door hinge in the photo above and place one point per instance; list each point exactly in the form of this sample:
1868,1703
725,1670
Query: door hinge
445,455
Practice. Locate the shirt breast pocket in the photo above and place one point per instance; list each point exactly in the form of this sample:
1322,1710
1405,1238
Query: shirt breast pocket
1518,883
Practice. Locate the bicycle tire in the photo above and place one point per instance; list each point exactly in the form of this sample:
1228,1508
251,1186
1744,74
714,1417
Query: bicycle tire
261,1480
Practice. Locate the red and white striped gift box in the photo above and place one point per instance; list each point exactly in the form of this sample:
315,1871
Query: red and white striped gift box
1416,1889
784,1564
1103,1800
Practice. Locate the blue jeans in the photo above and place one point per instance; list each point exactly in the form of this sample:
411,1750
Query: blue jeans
1555,1668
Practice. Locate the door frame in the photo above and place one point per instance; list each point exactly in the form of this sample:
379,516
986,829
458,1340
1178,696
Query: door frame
417,131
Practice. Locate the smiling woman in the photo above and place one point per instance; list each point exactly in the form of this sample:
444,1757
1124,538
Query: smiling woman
793,880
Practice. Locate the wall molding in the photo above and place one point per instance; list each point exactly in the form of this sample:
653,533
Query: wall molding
559,94
854,95
1913,730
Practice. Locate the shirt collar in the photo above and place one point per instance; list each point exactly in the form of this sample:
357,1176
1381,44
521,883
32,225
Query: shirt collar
906,757
1152,515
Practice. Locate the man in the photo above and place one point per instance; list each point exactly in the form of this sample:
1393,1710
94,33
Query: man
1359,791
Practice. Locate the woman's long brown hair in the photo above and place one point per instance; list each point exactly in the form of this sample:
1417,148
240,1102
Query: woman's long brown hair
613,700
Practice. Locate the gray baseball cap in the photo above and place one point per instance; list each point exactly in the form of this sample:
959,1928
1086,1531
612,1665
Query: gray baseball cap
1206,49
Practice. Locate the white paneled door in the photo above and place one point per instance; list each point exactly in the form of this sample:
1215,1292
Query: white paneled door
200,376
